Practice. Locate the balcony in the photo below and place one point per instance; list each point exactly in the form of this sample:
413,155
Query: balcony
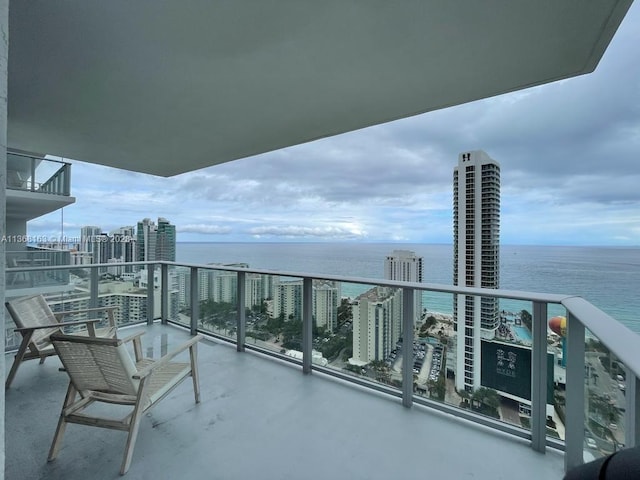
36,186
262,417
27,281
259,418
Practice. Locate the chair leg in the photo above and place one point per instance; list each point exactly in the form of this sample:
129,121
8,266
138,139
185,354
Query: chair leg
62,423
193,354
133,428
18,359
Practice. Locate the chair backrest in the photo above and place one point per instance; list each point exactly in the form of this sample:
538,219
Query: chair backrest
97,364
34,311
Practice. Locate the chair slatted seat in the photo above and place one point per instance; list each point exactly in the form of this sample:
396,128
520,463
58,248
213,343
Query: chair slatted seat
36,322
101,370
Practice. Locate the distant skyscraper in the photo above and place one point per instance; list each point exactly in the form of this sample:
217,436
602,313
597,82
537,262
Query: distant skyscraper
156,242
377,324
476,258
326,298
287,299
146,240
166,241
405,266
123,246
88,241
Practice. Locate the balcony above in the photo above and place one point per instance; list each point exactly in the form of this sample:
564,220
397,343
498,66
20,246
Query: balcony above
36,186
259,418
152,82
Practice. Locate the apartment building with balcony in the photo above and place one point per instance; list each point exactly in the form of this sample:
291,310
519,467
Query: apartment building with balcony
326,298
476,258
377,324
35,186
98,100
406,266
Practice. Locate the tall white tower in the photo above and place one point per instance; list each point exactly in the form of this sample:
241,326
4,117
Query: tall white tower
476,258
406,266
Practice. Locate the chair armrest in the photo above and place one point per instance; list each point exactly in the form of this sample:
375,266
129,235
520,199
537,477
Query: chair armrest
132,337
137,344
108,309
63,324
191,343
84,310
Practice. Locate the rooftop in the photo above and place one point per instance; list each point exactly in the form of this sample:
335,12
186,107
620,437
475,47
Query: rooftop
259,418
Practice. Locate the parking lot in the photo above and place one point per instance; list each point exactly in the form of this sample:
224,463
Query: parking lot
428,360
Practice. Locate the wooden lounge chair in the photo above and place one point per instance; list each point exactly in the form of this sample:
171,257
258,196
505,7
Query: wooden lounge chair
36,322
101,370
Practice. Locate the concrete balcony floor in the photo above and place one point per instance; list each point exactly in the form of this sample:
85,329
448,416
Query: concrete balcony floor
259,418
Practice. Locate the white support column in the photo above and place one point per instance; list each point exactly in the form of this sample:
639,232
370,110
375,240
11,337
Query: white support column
164,295
307,324
151,268
4,55
539,378
408,304
632,410
574,404
241,321
94,278
194,300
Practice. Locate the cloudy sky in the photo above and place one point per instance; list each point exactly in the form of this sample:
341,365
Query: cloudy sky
570,173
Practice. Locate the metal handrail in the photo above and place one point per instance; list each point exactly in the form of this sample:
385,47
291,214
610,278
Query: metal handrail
582,316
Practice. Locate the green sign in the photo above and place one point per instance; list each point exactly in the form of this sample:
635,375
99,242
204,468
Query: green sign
507,368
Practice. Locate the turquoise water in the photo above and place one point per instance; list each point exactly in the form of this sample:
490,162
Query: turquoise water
608,277
522,333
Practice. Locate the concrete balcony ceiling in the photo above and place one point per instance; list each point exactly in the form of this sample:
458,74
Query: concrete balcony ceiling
170,87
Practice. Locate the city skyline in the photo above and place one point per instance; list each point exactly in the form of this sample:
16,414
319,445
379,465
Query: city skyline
567,151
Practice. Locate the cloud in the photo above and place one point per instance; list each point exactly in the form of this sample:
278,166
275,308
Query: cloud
205,229
290,231
569,172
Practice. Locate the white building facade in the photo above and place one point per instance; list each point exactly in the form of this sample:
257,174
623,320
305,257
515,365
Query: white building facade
476,259
326,299
377,324
406,266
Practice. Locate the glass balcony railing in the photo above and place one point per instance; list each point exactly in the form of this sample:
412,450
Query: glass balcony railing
35,174
553,369
31,261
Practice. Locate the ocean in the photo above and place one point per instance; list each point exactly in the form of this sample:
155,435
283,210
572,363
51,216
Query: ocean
608,277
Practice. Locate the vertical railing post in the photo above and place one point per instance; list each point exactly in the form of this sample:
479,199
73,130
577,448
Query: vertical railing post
194,296
241,319
408,307
164,293
574,403
67,180
632,409
150,294
539,378
93,288
33,174
307,324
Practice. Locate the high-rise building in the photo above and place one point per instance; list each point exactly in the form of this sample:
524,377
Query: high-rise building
476,259
156,242
123,246
88,240
377,324
326,298
165,240
146,240
287,299
406,266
